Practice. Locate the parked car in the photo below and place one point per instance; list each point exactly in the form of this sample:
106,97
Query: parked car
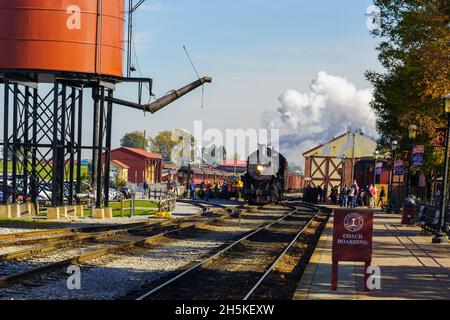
114,195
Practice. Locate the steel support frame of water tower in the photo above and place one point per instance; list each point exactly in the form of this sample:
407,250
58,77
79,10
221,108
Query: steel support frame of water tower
43,134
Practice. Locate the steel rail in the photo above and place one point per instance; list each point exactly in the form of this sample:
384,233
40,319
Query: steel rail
270,269
30,234
76,239
74,231
218,254
14,278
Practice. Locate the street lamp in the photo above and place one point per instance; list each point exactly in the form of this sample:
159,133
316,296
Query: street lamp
342,172
376,154
440,236
412,134
394,145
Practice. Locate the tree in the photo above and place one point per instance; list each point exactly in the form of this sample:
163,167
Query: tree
135,139
164,143
415,51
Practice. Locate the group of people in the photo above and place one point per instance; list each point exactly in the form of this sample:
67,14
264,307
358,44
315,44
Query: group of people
207,190
354,196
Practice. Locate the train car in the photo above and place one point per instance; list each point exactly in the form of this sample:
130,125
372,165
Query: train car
266,179
200,175
295,183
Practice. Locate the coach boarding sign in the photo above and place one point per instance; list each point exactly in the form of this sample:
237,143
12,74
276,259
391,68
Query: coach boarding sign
352,238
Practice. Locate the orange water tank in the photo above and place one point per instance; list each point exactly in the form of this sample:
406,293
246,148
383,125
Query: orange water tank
82,36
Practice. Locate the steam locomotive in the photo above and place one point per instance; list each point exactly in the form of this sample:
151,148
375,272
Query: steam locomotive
266,179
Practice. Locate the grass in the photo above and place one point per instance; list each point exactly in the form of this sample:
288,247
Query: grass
42,168
127,213
143,208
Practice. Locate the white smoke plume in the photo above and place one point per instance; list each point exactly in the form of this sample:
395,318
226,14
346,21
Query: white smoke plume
330,108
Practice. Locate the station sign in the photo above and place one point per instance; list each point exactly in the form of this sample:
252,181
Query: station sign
352,239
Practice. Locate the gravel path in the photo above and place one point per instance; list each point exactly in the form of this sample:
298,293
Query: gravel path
119,274
16,230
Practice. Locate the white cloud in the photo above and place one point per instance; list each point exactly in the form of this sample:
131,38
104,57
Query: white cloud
330,107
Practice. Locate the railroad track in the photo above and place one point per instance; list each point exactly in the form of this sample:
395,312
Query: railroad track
15,267
238,270
88,233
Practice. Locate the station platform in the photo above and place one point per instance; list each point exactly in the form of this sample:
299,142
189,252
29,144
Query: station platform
412,268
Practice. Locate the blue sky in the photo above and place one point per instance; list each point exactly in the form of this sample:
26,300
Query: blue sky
254,50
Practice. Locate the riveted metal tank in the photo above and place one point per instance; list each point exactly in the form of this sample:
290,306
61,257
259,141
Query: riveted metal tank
81,36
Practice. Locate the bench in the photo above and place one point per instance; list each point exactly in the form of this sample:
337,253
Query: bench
428,218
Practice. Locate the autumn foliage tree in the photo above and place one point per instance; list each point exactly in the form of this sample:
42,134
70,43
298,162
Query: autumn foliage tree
414,49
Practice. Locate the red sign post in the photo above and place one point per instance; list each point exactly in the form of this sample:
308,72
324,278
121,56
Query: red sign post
352,241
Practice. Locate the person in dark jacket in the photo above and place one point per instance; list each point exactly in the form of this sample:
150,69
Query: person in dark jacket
382,196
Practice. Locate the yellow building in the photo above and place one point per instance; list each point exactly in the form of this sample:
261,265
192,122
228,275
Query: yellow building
333,163
119,170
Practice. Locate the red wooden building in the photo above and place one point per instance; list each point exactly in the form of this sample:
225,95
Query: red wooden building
142,164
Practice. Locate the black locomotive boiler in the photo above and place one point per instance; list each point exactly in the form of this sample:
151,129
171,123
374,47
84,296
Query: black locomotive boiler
266,178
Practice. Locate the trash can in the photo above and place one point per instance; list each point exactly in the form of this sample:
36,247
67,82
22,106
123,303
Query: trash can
409,210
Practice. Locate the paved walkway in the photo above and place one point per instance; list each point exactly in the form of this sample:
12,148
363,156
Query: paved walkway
411,266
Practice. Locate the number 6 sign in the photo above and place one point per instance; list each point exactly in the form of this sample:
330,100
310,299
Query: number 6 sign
439,140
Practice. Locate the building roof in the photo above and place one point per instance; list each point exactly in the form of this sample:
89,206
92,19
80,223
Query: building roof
120,164
141,153
348,145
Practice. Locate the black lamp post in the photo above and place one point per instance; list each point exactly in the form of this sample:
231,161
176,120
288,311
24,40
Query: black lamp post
440,236
394,145
341,172
376,154
412,134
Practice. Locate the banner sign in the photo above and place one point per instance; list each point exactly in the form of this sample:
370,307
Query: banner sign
417,156
379,168
422,181
439,140
398,168
352,239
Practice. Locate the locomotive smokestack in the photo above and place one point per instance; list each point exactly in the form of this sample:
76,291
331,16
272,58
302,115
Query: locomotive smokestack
175,95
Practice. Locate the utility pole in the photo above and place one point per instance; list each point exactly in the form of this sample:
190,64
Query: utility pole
144,147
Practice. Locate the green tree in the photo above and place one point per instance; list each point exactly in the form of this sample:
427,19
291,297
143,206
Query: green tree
135,139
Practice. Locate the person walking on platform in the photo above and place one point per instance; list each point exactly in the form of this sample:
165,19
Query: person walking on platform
372,195
343,197
145,189
355,194
239,187
382,196
225,190
320,191
350,194
207,191
192,189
